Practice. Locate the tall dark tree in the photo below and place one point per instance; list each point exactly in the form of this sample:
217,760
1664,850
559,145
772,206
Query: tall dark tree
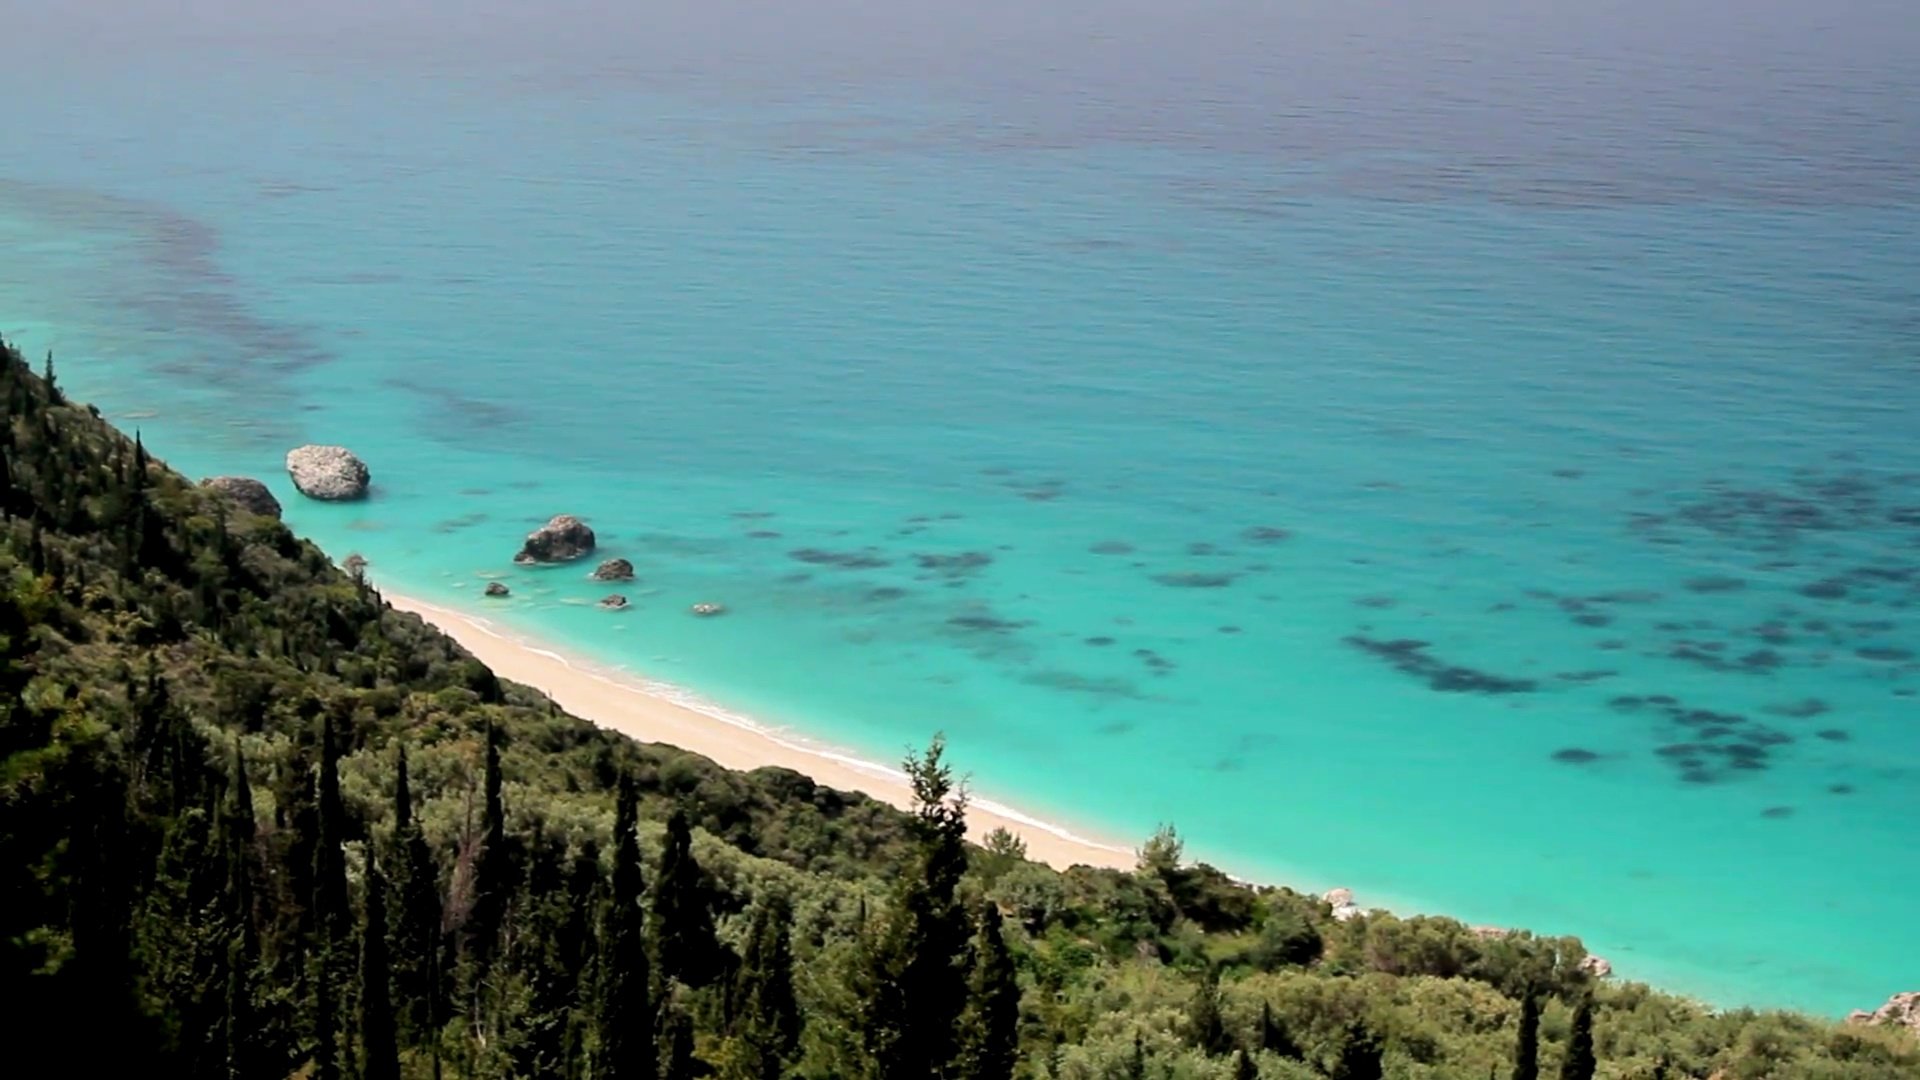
1526,1048
379,1046
326,1022
417,948
1274,1036
331,913
1205,1028
676,1044
766,1014
911,975
680,918
1243,1066
1137,1064
542,915
1579,1064
493,872
1360,1055
990,1027
623,1018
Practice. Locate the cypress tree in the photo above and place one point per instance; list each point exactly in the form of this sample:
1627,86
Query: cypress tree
329,856
326,1050
623,1021
379,1047
681,917
1360,1056
1243,1066
676,1044
990,1028
1205,1029
910,976
1526,1050
417,944
767,1022
1137,1064
546,1010
1274,1036
493,876
1579,1063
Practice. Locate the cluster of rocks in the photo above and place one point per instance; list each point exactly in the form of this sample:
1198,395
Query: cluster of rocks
1341,900
1901,1009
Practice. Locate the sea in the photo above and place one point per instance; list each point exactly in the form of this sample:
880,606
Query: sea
1467,451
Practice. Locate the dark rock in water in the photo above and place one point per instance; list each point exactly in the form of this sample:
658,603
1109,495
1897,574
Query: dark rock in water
886,592
1662,699
494,588
965,562
1202,548
244,492
845,560
1762,660
1626,596
613,570
1100,640
1265,534
1680,750
1800,710
1610,644
1112,547
1883,652
1840,789
562,539
1627,702
1380,602
614,602
1569,474
1697,776
1825,590
1833,734
1411,657
1575,755
763,534
1229,629
1592,675
1777,812
1593,619
1715,584
1193,579
1499,607
984,622
327,473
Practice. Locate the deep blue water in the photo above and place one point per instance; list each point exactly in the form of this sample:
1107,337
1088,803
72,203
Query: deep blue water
1462,452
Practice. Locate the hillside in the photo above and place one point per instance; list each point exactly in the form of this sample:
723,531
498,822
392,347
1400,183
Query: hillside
254,823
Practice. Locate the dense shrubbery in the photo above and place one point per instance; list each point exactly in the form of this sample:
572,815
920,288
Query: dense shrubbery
256,824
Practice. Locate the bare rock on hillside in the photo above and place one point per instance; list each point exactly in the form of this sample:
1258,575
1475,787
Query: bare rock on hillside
244,492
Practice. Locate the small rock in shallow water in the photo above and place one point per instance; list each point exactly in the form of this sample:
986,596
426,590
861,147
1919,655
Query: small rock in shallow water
1575,755
614,602
1777,812
706,609
613,570
561,539
494,588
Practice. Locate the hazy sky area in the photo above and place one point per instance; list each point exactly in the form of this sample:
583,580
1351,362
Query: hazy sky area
1827,92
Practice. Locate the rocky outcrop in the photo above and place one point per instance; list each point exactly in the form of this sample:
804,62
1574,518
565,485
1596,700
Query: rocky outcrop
1342,903
1901,1010
329,473
613,570
614,602
244,492
563,539
1598,967
494,588
708,610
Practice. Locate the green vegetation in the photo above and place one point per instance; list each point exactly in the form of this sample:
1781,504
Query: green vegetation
253,823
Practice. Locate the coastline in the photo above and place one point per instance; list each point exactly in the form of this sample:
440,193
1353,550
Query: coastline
620,702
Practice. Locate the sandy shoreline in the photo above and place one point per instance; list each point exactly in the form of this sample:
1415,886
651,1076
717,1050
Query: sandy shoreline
624,704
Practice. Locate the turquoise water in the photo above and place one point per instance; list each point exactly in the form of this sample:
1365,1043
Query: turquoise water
1469,460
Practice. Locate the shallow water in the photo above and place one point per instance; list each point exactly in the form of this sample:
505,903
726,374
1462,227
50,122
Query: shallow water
1465,459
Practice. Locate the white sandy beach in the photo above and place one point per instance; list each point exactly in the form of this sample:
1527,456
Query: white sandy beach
627,706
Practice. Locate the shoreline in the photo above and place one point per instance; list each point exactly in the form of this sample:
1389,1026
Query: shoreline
651,712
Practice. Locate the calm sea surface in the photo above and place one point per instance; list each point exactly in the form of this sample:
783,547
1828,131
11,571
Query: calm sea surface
1464,452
